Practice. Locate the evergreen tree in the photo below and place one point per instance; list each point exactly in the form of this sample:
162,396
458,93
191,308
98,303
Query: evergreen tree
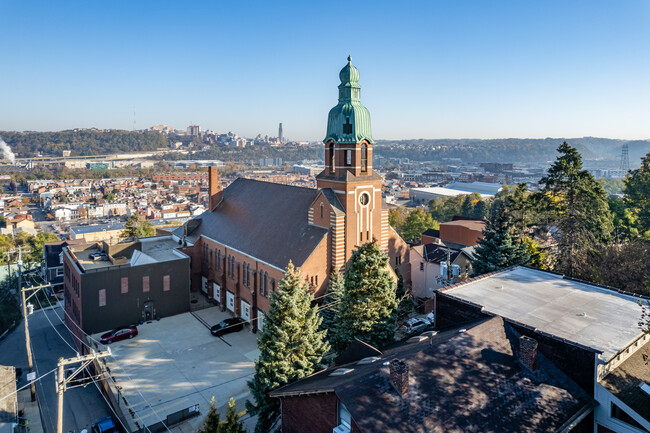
500,247
405,306
480,210
331,303
637,195
368,305
231,424
576,204
291,346
134,228
211,423
520,209
467,207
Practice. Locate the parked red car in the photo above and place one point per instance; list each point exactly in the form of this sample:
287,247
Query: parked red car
121,333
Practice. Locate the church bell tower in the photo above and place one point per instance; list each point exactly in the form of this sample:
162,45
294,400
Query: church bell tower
348,167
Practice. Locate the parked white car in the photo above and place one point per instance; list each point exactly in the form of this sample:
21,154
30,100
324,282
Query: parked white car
418,324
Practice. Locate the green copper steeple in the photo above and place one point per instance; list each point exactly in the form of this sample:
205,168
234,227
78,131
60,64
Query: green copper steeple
349,121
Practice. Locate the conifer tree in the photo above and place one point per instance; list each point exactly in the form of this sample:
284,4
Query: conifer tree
405,304
231,424
500,247
291,346
211,423
576,207
331,303
367,309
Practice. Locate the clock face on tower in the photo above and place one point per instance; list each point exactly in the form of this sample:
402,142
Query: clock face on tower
364,199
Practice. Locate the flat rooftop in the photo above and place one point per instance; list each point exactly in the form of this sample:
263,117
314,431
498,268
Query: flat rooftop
448,192
176,363
94,228
144,251
592,316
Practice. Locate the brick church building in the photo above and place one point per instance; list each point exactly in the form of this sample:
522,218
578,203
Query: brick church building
241,246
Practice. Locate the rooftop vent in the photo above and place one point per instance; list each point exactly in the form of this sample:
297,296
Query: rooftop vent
583,314
368,360
462,330
341,371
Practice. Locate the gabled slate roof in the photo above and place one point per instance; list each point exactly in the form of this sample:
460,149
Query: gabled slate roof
265,220
468,381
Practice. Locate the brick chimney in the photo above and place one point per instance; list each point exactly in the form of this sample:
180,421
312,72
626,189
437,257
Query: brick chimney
399,376
214,187
528,352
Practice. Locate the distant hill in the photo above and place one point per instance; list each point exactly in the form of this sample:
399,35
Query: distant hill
82,142
515,150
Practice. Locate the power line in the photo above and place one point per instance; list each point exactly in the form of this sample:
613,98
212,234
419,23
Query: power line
25,386
112,356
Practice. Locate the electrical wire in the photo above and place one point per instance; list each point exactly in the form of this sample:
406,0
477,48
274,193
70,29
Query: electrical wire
53,309
25,386
91,348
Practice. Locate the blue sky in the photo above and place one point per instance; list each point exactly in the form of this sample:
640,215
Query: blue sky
430,69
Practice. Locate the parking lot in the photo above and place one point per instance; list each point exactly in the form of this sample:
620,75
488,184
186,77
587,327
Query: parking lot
175,363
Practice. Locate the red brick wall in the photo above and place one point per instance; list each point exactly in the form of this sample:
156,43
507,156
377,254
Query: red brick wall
309,414
459,234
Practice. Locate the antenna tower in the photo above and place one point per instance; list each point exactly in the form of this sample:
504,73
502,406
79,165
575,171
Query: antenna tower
625,158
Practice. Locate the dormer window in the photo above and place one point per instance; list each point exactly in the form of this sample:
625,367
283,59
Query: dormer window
347,126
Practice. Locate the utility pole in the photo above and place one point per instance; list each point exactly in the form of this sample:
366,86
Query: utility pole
28,342
62,381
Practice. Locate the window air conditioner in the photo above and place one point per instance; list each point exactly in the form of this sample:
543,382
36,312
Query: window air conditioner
341,429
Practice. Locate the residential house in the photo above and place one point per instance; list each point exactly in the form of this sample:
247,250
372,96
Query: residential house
591,332
482,377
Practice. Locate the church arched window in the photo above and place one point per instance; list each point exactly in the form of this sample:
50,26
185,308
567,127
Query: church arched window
332,158
364,157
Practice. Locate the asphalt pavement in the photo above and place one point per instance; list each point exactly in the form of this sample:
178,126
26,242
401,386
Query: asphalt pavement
81,405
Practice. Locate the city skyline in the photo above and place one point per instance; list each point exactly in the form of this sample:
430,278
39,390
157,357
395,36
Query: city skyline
430,70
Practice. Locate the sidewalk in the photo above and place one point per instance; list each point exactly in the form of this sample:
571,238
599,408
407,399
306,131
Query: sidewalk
31,416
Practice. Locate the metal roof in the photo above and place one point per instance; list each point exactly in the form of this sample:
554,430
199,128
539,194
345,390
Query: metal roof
596,317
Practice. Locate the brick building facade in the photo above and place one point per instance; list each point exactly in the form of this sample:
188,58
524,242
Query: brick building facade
242,245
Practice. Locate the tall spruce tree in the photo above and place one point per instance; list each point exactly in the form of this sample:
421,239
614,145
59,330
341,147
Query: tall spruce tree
331,303
576,205
500,246
367,309
291,346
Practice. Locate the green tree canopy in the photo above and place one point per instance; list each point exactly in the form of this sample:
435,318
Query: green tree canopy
291,346
500,246
367,309
136,228
416,223
576,208
637,195
331,302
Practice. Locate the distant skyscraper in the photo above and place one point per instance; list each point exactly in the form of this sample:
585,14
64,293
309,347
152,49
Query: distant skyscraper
194,130
280,136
